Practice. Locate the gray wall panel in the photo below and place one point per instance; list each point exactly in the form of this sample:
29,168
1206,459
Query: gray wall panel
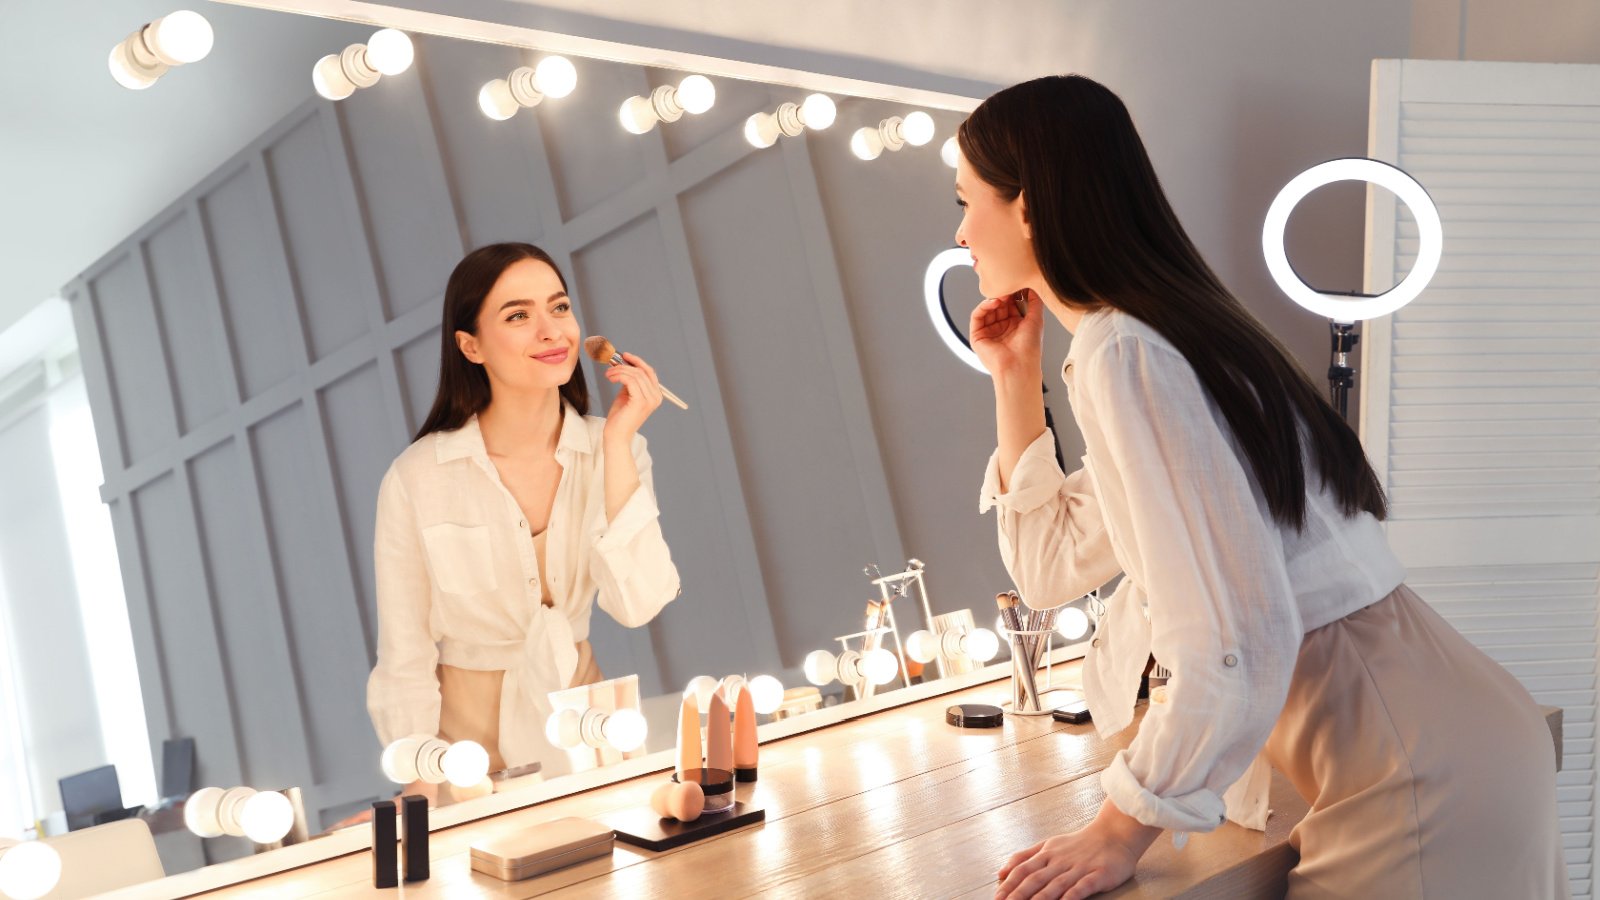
352,410
587,159
177,277
418,364
318,236
314,572
257,302
136,359
736,100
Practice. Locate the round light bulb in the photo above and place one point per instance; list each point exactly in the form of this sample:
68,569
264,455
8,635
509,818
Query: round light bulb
696,94
328,77
390,51
766,693
29,870
917,128
879,665
950,151
465,763
495,99
761,130
982,644
819,667
702,686
1072,623
626,729
637,115
922,646
866,144
267,817
555,76
123,72
563,728
200,812
819,111
399,760
183,36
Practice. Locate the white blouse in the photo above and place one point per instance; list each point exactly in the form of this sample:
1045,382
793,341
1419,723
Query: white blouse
1216,589
458,579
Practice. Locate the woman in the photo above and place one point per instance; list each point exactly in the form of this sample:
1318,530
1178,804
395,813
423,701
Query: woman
1245,517
511,510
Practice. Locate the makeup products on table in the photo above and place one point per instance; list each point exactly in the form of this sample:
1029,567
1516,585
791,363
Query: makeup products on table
974,715
1008,602
689,735
746,748
385,845
524,853
719,735
414,845
600,350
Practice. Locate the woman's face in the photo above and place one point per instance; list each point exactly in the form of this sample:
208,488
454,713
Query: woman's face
996,231
527,335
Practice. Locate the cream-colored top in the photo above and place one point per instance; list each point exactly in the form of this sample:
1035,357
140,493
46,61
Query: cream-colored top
1216,589
459,580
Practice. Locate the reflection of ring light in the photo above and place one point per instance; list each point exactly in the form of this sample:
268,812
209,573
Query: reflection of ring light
1343,308
933,291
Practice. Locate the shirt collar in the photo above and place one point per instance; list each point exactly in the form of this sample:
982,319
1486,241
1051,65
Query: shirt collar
466,442
1085,338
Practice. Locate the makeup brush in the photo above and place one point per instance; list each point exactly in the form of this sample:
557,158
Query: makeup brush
1020,651
600,350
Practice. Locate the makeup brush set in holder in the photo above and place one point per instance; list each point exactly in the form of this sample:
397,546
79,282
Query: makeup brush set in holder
1030,634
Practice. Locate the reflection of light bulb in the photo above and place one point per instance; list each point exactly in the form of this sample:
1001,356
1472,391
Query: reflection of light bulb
982,645
200,812
879,665
1072,623
866,144
922,646
729,689
766,693
556,76
390,51
495,99
416,757
123,71
696,94
819,111
950,151
465,763
917,127
702,686
266,817
637,115
181,37
562,728
625,729
328,77
761,130
29,870
819,667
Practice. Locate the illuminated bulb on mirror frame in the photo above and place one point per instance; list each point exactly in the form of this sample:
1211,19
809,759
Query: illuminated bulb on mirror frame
555,76
850,668
917,128
338,75
29,870
624,729
266,817
950,151
1072,623
262,816
527,87
766,694
465,764
667,103
176,39
702,686
390,51
979,645
892,134
816,112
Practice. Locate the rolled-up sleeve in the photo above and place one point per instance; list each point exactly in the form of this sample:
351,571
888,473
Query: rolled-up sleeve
403,690
632,564
1052,538
1222,613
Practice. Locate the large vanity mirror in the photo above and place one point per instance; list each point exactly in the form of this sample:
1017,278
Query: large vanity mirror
258,353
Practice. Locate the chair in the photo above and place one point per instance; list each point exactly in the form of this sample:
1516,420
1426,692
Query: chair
105,857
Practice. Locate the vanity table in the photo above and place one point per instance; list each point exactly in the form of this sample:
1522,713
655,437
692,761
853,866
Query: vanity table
893,804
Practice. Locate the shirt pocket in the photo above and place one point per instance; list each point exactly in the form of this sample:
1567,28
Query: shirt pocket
460,557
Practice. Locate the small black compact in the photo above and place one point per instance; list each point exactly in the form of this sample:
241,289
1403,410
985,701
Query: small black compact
974,715
1076,712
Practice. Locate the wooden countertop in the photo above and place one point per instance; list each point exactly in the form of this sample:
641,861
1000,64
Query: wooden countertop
897,804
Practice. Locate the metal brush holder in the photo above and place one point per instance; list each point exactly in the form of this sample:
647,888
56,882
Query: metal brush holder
1026,689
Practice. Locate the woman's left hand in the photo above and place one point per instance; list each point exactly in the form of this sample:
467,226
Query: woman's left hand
639,396
1081,863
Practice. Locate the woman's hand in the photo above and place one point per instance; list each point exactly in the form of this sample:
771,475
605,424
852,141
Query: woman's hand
1080,863
639,397
1006,340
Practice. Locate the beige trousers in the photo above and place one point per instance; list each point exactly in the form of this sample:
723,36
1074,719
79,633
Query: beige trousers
1428,768
469,702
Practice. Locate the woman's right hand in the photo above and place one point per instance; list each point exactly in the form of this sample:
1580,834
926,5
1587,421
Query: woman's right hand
1007,340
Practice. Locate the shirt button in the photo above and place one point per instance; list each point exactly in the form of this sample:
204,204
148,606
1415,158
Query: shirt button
1095,642
522,523
1230,660
533,582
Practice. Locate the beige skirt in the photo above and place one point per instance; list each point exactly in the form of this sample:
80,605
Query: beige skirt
469,702
1428,768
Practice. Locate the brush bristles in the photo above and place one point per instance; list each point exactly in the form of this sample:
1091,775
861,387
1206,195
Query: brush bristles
598,348
1005,600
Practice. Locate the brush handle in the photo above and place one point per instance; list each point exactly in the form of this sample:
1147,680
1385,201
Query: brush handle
674,399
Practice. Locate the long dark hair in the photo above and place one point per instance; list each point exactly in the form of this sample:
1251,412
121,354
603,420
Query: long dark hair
463,384
1104,235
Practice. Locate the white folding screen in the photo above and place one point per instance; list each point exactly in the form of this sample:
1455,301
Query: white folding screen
1481,400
